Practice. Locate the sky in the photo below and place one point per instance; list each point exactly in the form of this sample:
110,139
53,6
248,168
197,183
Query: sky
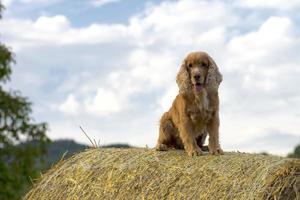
110,66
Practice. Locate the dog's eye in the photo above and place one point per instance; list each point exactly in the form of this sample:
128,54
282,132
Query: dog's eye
204,65
190,65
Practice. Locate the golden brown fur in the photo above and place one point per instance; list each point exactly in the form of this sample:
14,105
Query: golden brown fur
195,110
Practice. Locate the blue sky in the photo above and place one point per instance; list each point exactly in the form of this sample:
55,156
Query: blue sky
81,13
110,66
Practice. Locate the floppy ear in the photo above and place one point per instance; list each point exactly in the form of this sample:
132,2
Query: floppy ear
183,79
214,77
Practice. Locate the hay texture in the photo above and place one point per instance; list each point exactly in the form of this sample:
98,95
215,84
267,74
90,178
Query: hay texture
148,174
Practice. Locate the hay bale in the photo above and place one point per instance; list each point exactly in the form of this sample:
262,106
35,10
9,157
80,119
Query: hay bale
147,174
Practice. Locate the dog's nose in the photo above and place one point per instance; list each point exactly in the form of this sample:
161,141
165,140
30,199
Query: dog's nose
197,77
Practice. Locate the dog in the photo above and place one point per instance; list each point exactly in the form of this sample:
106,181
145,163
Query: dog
194,113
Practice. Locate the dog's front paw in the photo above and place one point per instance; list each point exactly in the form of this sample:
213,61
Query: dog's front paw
195,152
216,151
161,147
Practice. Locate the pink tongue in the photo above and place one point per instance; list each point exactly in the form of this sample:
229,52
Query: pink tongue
198,88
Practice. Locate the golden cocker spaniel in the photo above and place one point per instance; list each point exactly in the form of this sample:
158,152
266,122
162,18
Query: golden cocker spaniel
195,110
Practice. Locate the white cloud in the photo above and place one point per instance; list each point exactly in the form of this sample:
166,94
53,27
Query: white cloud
274,4
260,67
151,29
99,3
33,1
105,102
166,101
56,30
151,67
195,23
70,106
263,56
271,37
7,3
56,24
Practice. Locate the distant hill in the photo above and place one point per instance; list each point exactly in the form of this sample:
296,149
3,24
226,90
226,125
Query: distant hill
57,148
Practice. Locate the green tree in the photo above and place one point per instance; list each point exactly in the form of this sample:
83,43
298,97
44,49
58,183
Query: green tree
296,153
18,156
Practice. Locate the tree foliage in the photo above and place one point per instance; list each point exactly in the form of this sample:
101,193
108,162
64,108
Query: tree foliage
17,162
296,153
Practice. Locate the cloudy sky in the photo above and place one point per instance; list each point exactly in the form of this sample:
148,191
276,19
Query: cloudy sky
110,66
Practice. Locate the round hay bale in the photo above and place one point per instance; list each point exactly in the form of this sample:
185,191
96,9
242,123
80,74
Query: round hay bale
147,174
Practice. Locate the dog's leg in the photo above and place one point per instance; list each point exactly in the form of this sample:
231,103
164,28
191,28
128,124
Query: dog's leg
166,133
189,141
213,132
163,139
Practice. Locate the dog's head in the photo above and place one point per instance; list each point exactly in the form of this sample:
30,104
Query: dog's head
198,71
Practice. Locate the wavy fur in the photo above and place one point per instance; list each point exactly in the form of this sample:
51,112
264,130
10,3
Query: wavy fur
193,114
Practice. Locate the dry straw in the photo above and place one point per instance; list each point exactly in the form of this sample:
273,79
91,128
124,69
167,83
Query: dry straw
146,174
